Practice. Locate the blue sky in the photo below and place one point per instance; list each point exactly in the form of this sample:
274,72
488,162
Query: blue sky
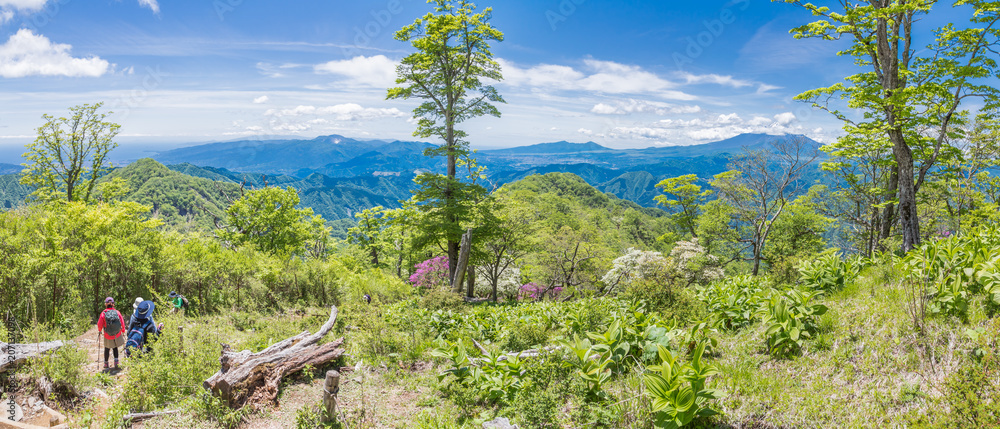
623,74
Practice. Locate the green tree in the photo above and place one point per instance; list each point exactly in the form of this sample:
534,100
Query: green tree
686,197
268,220
506,232
453,57
70,154
796,235
910,98
369,232
760,185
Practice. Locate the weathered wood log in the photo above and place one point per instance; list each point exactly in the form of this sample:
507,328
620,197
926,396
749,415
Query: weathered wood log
253,379
521,354
331,387
135,417
22,352
463,261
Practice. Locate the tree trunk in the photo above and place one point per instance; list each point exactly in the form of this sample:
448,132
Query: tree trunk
909,223
449,197
463,261
470,282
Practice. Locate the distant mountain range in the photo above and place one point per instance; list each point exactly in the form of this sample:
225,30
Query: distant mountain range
628,173
338,176
339,156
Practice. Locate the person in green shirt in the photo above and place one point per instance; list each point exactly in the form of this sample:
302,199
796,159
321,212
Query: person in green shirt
177,300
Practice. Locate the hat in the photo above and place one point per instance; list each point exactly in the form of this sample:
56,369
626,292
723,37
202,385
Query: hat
173,294
138,300
144,310
109,301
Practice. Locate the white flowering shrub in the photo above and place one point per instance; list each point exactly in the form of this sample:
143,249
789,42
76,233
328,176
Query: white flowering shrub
507,286
635,265
694,264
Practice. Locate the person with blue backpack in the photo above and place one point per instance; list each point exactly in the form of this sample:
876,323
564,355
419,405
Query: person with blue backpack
135,312
112,325
141,329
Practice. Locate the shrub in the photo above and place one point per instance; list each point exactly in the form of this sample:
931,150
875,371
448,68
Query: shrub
64,368
431,274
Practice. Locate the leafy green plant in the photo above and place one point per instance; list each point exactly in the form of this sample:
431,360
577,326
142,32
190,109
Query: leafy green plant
735,302
829,272
678,392
698,335
790,320
591,366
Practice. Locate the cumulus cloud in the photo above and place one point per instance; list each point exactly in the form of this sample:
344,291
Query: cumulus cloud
710,128
629,106
376,71
339,112
151,4
585,131
261,100
30,54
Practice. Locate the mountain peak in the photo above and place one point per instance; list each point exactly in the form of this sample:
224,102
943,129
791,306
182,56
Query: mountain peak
559,147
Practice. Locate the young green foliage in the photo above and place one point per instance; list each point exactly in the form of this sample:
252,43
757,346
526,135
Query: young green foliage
453,57
70,154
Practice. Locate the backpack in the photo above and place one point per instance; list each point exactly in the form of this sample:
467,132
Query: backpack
136,339
184,304
112,322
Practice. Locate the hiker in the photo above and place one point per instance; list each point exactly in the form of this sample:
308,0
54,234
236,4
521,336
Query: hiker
112,325
140,330
135,310
179,301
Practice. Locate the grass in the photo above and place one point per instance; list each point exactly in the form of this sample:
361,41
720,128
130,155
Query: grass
870,365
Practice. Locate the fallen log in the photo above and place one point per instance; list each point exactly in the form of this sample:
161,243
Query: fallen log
521,354
246,378
136,417
22,352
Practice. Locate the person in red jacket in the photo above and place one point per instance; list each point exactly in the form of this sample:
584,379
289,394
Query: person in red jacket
112,325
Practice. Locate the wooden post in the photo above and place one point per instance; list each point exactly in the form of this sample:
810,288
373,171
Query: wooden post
463,261
330,389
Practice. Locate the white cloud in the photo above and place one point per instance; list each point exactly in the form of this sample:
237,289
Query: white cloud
28,54
25,5
585,131
629,106
376,71
596,76
710,128
261,100
6,15
785,118
765,88
151,4
693,79
339,112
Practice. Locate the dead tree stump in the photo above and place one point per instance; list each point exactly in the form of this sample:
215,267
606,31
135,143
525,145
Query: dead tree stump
253,379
